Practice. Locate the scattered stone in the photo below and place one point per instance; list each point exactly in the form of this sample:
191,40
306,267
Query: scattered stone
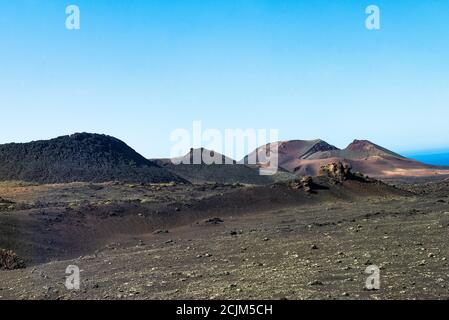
213,221
315,283
4,201
160,231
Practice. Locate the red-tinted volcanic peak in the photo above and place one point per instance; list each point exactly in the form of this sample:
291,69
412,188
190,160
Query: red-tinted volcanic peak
358,145
305,157
365,148
319,147
292,149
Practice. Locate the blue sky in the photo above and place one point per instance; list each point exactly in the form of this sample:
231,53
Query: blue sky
139,69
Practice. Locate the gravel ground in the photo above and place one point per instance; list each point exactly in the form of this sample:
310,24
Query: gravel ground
310,250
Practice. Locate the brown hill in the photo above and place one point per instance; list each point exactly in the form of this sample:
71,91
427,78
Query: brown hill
291,151
307,157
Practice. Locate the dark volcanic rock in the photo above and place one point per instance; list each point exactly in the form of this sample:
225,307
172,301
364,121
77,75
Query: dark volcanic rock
78,157
6,201
213,221
304,183
10,261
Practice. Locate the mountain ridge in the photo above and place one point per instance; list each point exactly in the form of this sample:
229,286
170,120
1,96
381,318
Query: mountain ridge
100,158
305,157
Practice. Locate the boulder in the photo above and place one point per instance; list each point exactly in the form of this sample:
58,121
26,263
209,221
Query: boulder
304,183
10,261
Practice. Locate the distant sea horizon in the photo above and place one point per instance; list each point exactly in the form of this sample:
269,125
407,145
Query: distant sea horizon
434,157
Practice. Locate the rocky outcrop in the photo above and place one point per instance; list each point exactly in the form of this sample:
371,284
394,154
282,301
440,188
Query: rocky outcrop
305,183
10,261
336,171
339,172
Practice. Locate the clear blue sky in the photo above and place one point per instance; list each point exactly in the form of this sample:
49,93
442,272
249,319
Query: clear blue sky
139,69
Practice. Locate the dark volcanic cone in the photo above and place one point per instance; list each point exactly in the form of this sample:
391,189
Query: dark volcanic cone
78,157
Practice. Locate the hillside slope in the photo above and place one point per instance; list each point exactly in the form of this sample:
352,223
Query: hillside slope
78,157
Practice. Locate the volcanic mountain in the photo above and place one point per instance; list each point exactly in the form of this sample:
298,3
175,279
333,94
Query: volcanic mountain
305,157
206,166
289,152
78,157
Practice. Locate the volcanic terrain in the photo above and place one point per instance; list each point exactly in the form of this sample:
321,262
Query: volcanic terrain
305,157
180,234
